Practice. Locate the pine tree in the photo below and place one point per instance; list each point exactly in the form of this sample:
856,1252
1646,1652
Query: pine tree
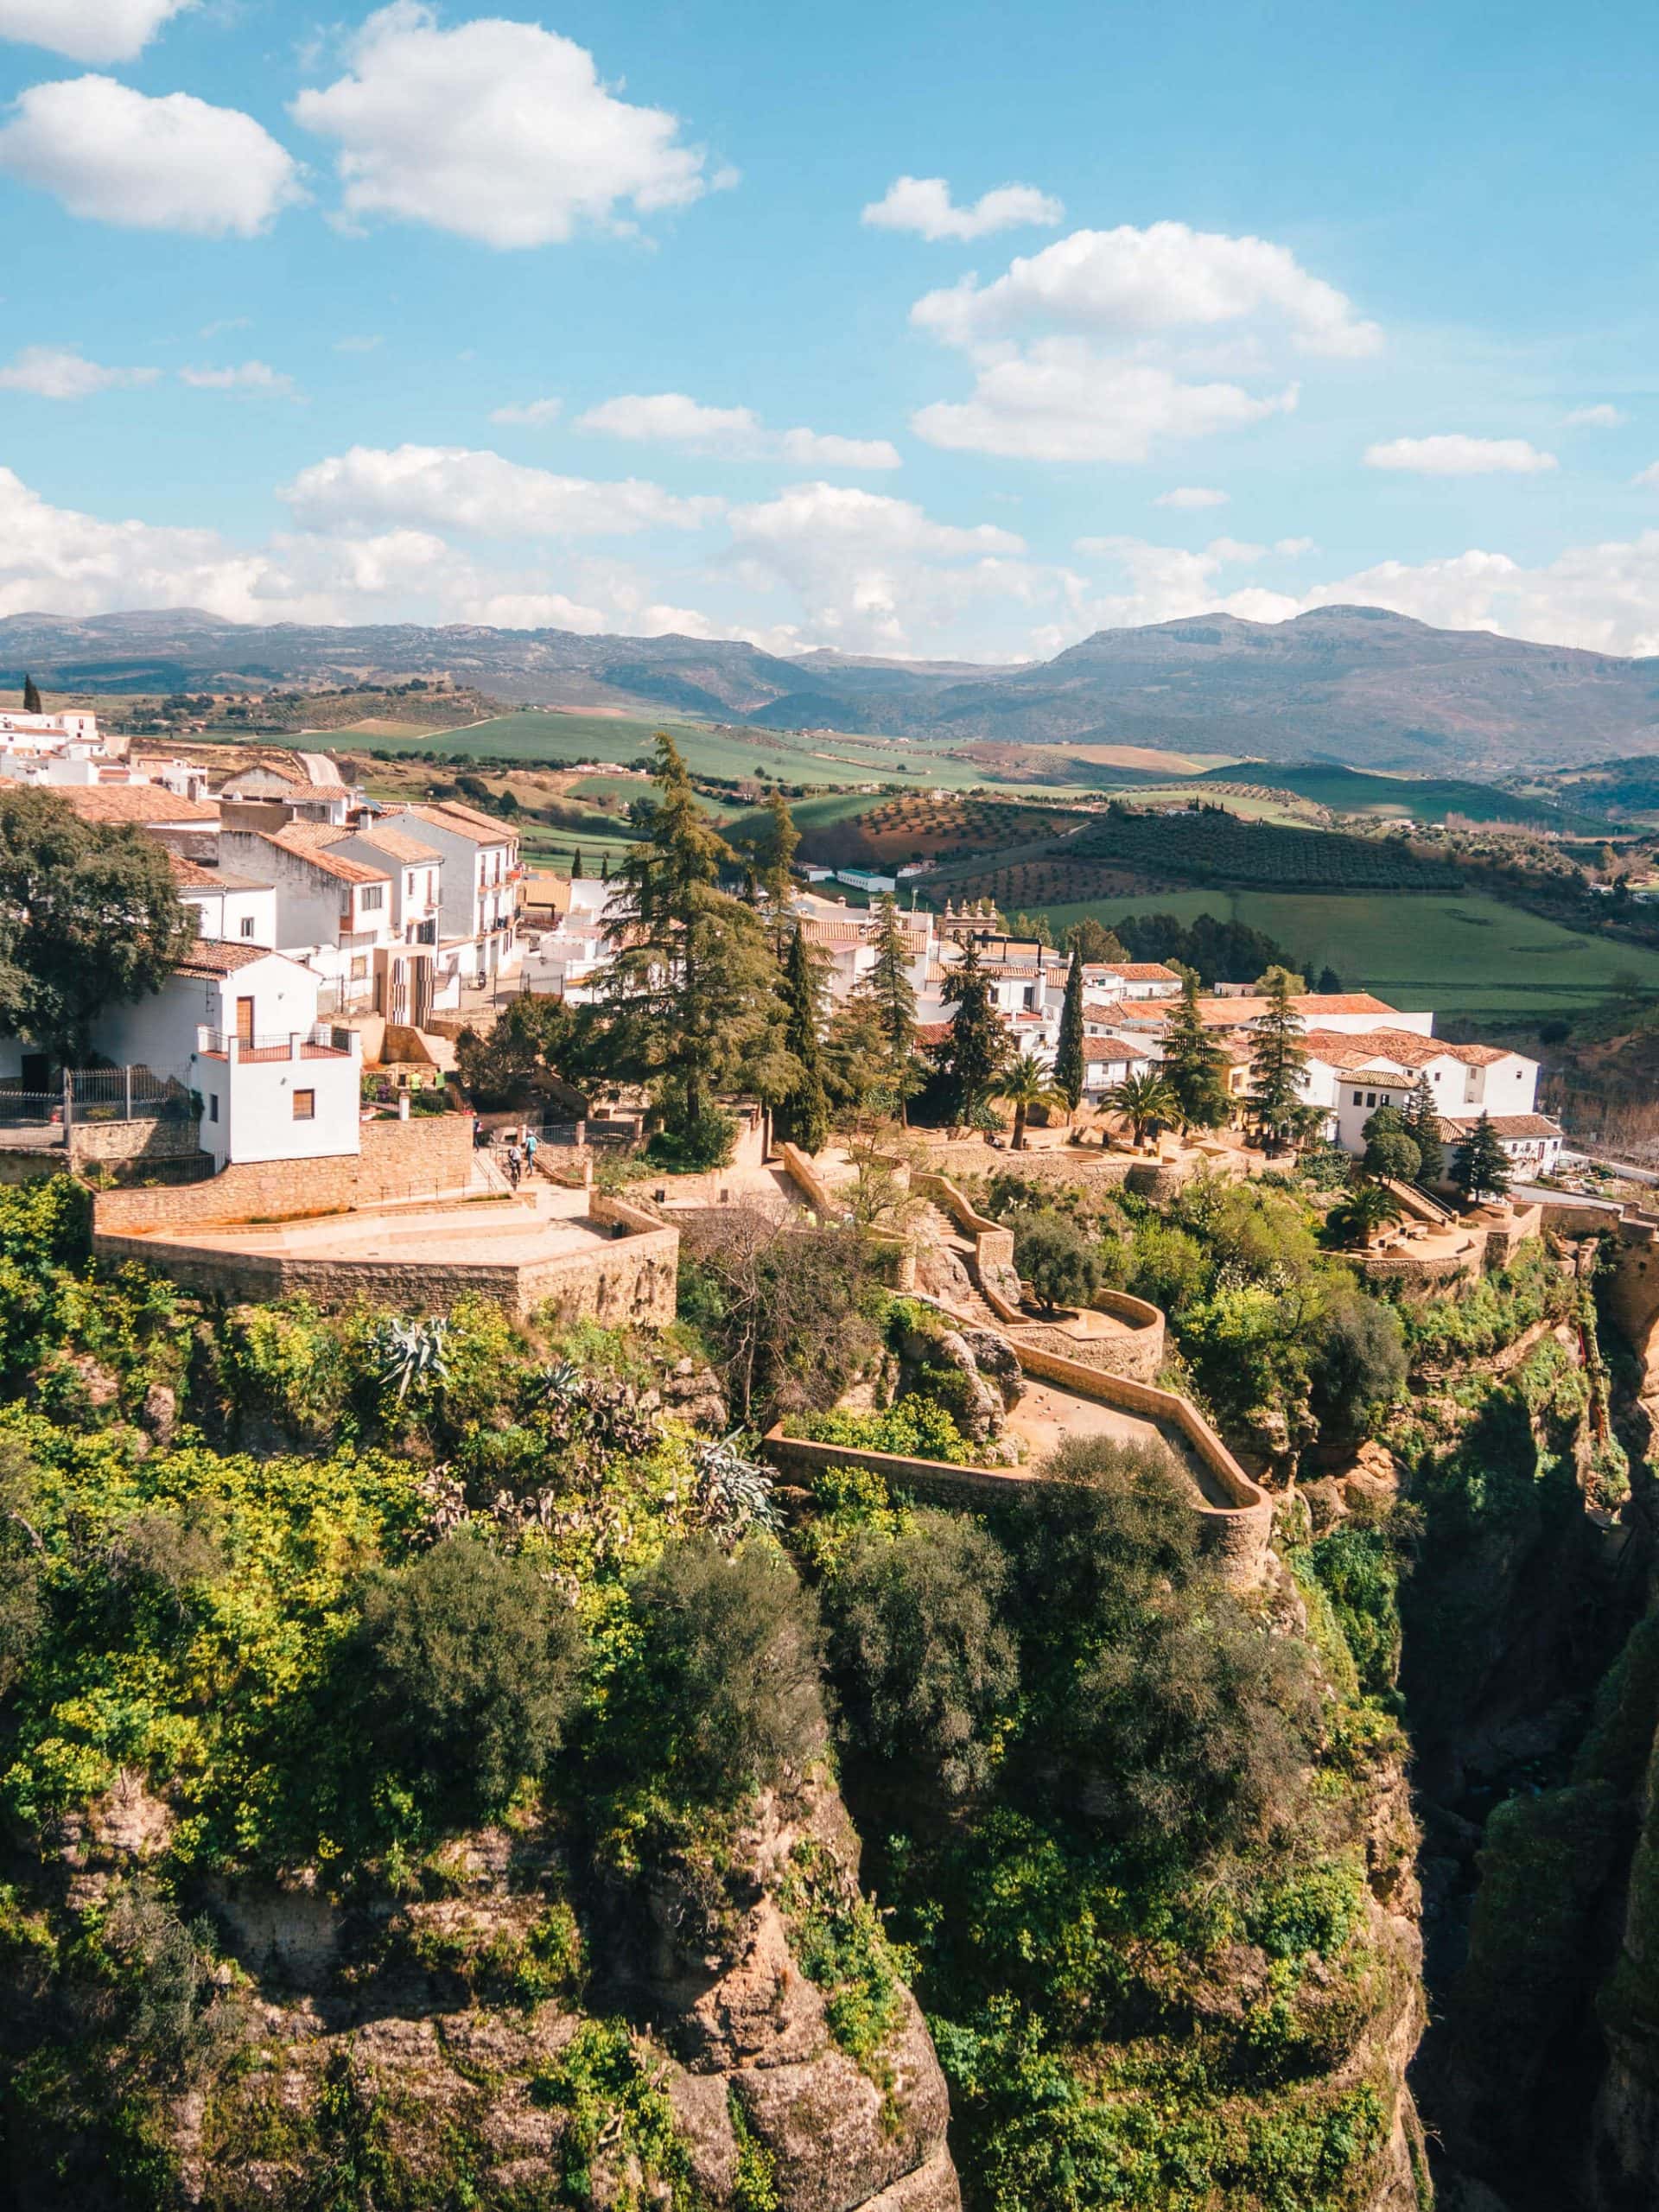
803,1111
1193,1064
1278,1062
691,1003
972,1055
1069,1074
889,996
1421,1121
1480,1166
575,863
32,697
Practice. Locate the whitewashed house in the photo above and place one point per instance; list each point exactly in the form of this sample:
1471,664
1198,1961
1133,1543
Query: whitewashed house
239,1025
478,915
333,913
1350,1076
1532,1142
227,906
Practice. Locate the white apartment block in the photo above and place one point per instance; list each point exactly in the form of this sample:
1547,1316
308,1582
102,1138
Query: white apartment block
333,914
478,917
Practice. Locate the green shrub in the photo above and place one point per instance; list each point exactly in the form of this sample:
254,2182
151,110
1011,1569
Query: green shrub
923,1660
694,1147
462,1674
915,1428
1055,1259
720,1694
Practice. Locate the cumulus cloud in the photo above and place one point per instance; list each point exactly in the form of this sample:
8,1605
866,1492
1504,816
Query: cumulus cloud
729,433
256,379
1456,455
531,414
1603,597
88,30
1108,344
498,131
1190,495
1648,475
480,493
1062,399
1293,548
58,373
1602,417
924,204
1129,282
364,344
113,155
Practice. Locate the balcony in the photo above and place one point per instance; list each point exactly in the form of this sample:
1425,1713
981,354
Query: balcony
322,1041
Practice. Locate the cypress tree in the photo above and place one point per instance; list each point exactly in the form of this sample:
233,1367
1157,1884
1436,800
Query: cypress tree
1480,1166
32,697
972,1056
889,996
1421,1123
1193,1064
803,1111
575,863
1277,1068
691,1003
1068,1052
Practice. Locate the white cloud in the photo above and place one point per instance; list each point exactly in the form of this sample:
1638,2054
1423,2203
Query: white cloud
1648,475
367,344
1125,284
1456,455
1086,351
225,322
495,131
729,433
58,373
1190,495
88,30
1062,399
1236,552
1601,597
256,378
533,414
448,486
922,204
175,163
1293,548
1596,418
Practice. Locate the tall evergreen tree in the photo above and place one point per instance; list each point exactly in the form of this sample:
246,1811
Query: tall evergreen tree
691,1003
1278,1062
803,1111
888,993
971,1057
576,862
1480,1166
32,697
1421,1121
1068,1073
1193,1064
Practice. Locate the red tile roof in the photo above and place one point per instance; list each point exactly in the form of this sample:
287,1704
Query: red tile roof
142,805
212,956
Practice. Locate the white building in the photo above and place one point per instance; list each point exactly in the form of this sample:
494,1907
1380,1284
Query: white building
333,913
235,908
1532,1141
24,733
314,793
1352,1074
239,1025
478,932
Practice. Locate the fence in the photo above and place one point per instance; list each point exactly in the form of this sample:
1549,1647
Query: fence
81,1095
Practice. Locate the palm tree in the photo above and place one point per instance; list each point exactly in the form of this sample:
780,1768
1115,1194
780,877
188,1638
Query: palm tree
1144,1098
1363,1212
1025,1082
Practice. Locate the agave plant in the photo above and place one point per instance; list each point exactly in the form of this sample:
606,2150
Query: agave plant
734,1494
564,1381
411,1352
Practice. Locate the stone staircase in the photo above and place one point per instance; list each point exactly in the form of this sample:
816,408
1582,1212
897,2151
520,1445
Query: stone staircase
931,1226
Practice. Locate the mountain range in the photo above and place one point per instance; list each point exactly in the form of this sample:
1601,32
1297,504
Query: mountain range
1358,684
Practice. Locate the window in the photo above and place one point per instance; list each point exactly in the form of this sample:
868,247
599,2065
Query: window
1359,1099
305,1105
213,1105
1371,1098
372,898
247,924
360,967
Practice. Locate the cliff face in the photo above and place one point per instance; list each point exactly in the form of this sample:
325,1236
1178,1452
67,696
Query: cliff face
729,2032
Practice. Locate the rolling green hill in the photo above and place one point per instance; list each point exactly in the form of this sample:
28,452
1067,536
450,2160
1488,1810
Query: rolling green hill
1426,798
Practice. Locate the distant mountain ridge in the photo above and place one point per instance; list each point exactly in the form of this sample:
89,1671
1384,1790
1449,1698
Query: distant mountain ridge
1358,684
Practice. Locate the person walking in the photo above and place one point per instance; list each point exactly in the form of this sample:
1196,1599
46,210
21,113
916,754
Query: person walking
515,1164
531,1142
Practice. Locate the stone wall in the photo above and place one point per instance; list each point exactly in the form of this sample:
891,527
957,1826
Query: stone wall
1137,1354
628,1283
133,1142
427,1156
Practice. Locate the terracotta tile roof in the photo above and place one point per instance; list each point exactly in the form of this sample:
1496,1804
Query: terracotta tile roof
395,844
1403,1047
1138,971
463,822
1102,1050
932,1033
190,875
1504,1125
212,956
1233,1013
314,849
142,805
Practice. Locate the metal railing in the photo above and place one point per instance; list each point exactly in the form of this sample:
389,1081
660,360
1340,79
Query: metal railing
325,1033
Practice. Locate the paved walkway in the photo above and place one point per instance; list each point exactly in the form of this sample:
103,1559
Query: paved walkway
541,1223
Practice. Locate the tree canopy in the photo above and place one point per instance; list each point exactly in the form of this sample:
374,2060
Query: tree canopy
89,918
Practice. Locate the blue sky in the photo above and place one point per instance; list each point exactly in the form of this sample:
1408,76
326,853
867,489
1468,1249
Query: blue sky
662,317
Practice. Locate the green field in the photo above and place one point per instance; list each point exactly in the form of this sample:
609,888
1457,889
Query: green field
1250,806
1453,955
1425,798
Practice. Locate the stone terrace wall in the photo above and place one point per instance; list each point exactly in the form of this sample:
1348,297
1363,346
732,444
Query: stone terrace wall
133,1141
424,1157
1138,1355
629,1283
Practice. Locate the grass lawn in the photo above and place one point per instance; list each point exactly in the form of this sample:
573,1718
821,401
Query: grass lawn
1453,955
